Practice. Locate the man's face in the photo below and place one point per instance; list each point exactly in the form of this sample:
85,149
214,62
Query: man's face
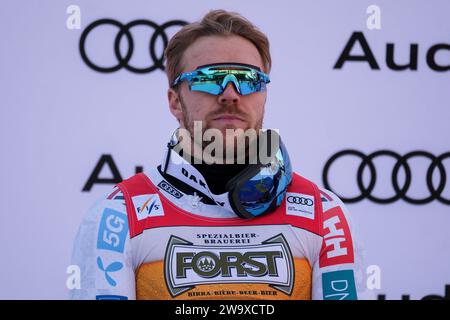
230,110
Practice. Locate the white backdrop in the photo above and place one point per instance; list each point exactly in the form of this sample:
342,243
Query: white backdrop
59,116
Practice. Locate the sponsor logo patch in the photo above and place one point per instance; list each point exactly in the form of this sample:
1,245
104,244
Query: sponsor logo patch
108,269
299,204
113,231
147,205
167,187
110,297
187,265
337,246
339,285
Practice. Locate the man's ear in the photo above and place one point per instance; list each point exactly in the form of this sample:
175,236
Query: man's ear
175,104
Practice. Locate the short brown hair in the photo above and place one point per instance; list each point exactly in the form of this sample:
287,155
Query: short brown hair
215,23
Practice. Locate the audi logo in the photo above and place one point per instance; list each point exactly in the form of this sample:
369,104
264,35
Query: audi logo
401,191
124,30
300,200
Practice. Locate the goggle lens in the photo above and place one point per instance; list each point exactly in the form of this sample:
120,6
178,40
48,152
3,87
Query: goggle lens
259,192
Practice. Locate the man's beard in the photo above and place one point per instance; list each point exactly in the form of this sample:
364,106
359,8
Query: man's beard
206,124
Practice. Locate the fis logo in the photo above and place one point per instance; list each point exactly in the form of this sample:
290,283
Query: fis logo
147,205
188,265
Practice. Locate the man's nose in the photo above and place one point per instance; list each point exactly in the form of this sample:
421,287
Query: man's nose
229,95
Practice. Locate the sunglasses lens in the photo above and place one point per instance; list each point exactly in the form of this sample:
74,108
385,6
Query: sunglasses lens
207,86
214,80
248,87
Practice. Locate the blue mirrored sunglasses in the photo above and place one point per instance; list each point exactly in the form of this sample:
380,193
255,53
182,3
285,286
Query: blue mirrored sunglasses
214,78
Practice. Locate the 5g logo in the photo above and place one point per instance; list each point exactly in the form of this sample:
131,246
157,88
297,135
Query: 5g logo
113,231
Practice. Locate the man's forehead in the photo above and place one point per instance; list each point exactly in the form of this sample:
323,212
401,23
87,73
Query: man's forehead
231,65
214,49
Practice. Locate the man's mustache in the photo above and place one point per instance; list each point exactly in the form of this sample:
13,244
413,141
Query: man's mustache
229,112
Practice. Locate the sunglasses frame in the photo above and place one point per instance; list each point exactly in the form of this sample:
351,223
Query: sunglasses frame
188,76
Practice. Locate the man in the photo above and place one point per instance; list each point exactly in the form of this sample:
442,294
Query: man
195,228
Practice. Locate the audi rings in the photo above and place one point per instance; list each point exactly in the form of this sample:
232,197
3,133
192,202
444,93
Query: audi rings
124,30
299,200
435,193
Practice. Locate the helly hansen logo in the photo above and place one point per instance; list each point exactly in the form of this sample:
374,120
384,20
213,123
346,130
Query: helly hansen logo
337,246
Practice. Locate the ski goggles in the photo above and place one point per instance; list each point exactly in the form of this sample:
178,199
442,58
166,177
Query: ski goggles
214,78
257,190
261,188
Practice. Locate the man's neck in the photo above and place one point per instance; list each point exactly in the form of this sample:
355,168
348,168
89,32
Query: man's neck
218,175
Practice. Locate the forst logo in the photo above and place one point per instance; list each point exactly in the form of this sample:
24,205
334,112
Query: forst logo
205,264
187,265
209,264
